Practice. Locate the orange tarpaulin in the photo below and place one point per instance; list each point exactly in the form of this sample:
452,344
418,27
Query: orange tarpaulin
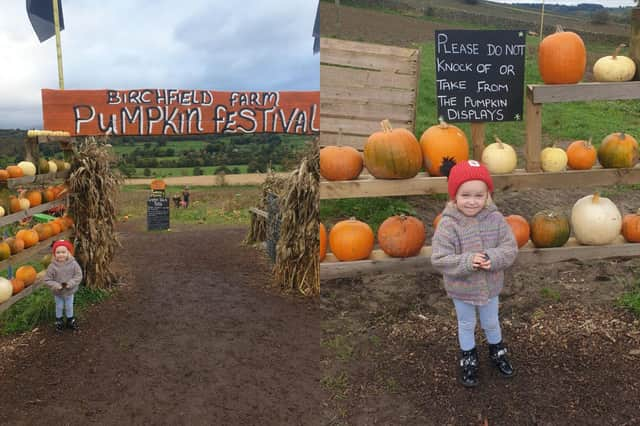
179,112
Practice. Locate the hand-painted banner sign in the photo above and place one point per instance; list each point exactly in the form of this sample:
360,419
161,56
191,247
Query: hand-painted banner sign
179,112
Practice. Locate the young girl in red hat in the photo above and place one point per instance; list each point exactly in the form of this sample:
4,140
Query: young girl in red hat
63,278
472,246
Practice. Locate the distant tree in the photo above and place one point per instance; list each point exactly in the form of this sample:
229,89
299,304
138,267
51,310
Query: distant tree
197,171
600,17
222,169
235,170
471,1
147,172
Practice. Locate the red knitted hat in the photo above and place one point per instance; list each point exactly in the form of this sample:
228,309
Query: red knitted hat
65,243
466,171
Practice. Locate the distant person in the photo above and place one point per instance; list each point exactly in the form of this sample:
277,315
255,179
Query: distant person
471,247
176,200
63,277
185,196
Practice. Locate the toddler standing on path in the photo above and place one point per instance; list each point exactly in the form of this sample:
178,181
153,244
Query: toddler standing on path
63,278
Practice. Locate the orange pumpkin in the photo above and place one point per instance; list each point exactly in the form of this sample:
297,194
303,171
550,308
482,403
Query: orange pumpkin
18,285
440,142
436,220
323,242
27,274
16,245
4,175
351,240
392,153
581,155
34,197
61,223
49,194
17,204
68,220
55,227
520,228
618,150
562,58
44,231
340,163
401,236
29,236
631,227
550,229
15,171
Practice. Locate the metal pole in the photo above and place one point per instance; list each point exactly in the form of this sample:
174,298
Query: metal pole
56,23
542,21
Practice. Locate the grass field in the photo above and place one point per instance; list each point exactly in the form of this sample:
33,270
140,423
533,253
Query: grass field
183,171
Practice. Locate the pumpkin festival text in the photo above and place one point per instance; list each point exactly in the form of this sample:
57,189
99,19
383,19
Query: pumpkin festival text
179,112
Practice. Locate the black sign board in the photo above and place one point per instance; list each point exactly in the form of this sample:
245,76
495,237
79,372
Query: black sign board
480,75
157,213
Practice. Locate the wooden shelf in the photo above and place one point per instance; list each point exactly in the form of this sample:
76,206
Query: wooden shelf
18,216
379,262
424,184
40,179
24,293
30,252
551,93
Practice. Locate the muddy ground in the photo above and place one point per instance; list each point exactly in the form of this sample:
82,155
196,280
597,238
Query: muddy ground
389,343
193,336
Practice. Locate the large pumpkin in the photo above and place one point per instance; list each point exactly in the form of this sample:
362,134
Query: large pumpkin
27,274
392,153
615,67
440,142
499,157
401,236
323,242
618,150
581,155
520,228
28,168
351,240
550,229
340,163
562,58
595,220
631,227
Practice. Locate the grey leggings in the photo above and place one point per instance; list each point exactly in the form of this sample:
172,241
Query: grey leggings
65,302
467,322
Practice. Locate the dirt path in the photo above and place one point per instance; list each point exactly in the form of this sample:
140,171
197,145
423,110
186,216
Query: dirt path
193,338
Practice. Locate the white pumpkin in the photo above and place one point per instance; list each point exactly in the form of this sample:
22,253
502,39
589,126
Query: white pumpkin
28,168
595,220
499,157
614,68
67,165
53,167
2,212
24,203
553,159
6,289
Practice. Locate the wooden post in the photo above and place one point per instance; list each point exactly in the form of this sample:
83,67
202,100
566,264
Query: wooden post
533,128
31,151
56,24
634,43
477,140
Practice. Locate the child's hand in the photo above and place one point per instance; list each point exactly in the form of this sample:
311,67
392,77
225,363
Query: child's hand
58,286
481,261
64,285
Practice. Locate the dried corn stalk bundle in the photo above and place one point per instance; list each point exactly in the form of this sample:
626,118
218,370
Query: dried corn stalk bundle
297,264
94,189
258,226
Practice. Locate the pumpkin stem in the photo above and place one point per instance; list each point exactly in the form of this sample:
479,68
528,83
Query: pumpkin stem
386,125
617,51
443,124
559,28
499,142
588,144
596,198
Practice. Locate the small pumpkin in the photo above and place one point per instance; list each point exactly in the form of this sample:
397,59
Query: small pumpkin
443,141
34,197
43,166
499,157
2,212
6,289
631,227
28,168
401,236
392,153
520,228
618,150
615,67
562,57
29,236
5,250
550,229
436,220
553,159
16,245
49,194
340,163
581,155
27,274
323,242
15,172
595,220
18,285
53,167
4,175
17,204
351,239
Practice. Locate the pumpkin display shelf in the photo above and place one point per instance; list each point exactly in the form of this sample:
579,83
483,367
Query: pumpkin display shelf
530,177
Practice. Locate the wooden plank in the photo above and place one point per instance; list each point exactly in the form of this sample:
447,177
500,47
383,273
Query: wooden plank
369,95
368,61
331,76
424,184
477,140
333,138
533,128
550,93
40,179
366,111
357,127
24,293
357,46
15,217
379,262
30,252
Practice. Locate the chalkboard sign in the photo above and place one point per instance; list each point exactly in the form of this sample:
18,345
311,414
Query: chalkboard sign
480,75
157,213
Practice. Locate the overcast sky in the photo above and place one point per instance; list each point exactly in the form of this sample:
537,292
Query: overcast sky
239,45
605,3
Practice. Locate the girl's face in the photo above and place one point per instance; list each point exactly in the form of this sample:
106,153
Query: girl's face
471,197
61,253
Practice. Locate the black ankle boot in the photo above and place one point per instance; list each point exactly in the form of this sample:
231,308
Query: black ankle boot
498,356
72,323
469,368
59,325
